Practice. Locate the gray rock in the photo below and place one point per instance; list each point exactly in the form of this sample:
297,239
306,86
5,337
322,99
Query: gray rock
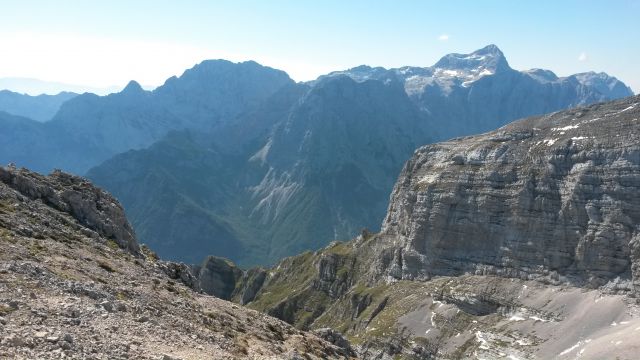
15,340
169,357
68,338
336,338
90,206
559,205
107,305
217,276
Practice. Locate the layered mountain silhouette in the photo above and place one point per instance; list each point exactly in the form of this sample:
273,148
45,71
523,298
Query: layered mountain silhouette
40,108
240,161
478,92
323,169
89,129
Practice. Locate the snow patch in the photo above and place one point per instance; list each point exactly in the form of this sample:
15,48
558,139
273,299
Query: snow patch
536,318
577,345
523,342
483,342
568,127
627,109
428,179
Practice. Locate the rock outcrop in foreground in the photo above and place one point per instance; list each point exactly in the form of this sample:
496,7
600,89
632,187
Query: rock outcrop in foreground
518,243
75,284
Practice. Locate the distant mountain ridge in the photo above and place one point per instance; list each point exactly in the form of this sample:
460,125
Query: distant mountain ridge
35,87
40,108
481,91
89,129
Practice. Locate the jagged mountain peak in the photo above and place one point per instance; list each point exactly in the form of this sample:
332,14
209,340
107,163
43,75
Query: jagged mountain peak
489,58
133,87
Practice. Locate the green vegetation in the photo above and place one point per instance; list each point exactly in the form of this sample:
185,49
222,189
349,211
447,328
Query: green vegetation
287,283
339,248
6,310
6,235
36,248
148,253
5,207
112,244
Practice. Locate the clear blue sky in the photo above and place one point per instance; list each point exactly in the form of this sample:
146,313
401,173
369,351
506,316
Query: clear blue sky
104,43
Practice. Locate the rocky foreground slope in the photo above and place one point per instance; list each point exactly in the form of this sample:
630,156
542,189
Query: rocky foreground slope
74,283
520,243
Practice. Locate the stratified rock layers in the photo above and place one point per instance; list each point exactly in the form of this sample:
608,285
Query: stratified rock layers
554,197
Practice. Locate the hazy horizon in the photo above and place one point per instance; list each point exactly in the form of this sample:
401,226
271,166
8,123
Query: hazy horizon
106,45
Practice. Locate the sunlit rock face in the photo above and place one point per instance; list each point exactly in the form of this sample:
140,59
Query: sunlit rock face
554,197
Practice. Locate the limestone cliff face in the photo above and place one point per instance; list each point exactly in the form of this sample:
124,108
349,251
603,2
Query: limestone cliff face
555,197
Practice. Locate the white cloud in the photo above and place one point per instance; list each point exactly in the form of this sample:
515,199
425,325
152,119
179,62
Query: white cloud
583,57
443,37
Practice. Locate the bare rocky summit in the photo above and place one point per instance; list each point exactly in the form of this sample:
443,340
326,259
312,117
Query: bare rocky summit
74,284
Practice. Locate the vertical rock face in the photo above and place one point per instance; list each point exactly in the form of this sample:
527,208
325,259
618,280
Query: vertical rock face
218,276
90,206
554,197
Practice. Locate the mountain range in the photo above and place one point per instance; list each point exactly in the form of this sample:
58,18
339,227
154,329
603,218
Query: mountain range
35,87
40,108
239,161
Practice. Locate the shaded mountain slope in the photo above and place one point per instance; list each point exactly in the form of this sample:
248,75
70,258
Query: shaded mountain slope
280,189
90,129
40,108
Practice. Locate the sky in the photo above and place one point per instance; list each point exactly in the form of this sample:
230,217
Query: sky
106,43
